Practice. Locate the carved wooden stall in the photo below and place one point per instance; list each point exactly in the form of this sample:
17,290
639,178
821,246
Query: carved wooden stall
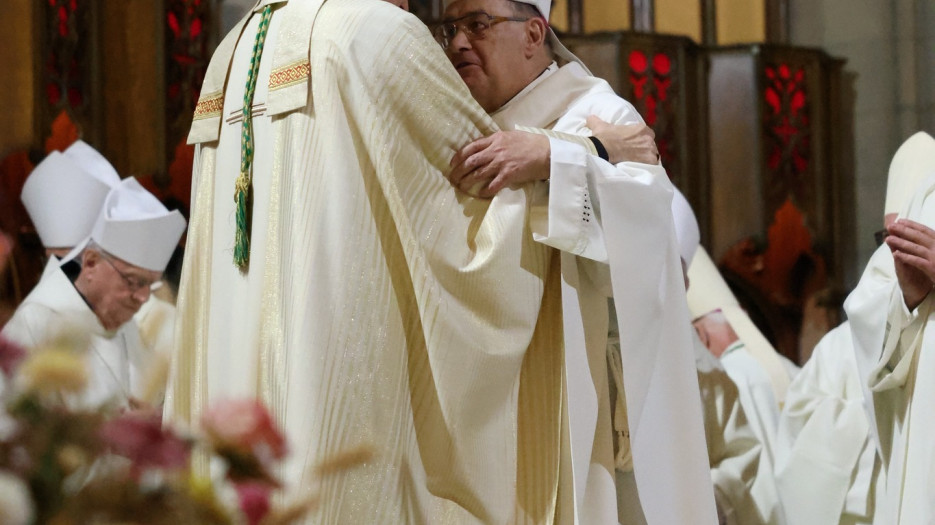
664,77
780,182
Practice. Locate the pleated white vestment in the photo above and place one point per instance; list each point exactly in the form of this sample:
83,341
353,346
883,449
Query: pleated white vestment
895,351
827,463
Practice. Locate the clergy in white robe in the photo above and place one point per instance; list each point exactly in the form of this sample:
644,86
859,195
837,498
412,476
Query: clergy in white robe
614,226
731,336
827,466
63,197
890,319
733,448
99,287
379,306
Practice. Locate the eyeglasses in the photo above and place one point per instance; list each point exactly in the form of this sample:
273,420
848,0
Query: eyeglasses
474,26
134,284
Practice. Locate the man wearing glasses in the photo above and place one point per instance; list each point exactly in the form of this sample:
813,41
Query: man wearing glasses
99,287
890,313
600,215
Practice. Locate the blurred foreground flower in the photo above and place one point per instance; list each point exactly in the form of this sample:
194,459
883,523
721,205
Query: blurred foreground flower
56,367
244,424
243,433
140,437
63,465
11,355
15,503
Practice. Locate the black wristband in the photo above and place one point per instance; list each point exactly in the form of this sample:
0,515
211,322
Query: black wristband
601,151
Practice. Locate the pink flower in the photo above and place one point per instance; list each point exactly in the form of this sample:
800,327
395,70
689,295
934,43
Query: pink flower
11,355
254,500
141,438
245,426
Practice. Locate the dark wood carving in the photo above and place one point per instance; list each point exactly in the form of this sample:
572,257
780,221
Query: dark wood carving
68,67
779,187
663,76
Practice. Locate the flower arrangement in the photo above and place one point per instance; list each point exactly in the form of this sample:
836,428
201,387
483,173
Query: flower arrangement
62,465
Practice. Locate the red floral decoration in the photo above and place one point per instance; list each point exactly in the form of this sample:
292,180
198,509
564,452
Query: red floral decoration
66,56
142,438
188,51
187,55
652,81
786,130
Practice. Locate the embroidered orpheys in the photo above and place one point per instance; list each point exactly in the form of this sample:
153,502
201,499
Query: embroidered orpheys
209,106
289,75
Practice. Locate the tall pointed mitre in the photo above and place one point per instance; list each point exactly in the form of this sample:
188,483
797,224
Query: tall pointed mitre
911,163
707,292
63,200
91,161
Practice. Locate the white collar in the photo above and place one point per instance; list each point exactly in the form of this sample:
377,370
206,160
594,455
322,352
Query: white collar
553,67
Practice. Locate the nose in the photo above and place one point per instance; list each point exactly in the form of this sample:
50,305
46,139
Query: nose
459,42
141,294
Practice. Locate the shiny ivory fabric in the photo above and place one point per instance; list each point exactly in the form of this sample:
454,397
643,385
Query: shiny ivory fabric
381,307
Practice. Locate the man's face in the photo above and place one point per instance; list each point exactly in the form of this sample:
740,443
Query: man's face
491,66
115,289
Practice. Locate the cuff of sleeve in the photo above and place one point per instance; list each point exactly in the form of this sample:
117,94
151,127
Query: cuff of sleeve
568,208
900,315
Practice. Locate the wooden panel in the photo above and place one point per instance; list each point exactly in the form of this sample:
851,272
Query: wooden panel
69,69
736,207
678,17
780,182
18,81
132,95
741,21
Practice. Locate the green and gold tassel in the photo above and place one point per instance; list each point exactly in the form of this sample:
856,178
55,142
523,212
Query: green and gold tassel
243,187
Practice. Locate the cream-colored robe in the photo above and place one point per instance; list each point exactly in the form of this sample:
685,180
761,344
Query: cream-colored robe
762,411
895,351
614,226
381,306
733,448
117,360
827,463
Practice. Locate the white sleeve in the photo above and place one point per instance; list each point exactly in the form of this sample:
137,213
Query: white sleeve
568,217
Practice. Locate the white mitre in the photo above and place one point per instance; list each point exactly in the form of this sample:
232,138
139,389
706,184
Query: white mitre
686,227
709,292
63,200
911,163
544,7
135,227
92,162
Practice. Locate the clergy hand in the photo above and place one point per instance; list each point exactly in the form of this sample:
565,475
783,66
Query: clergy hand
913,247
626,142
506,158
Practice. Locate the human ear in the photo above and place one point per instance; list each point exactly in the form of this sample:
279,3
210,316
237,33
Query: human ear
537,30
